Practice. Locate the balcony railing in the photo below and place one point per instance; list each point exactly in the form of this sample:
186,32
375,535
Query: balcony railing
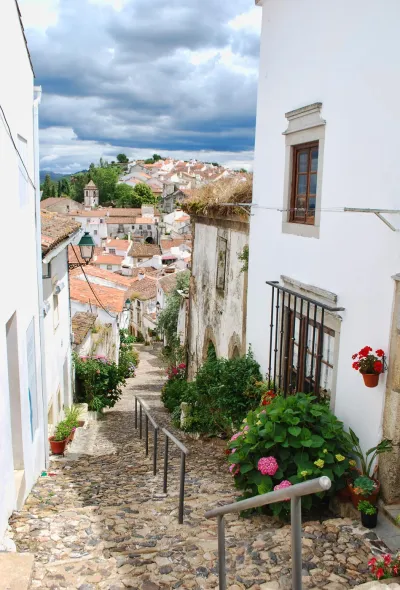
301,345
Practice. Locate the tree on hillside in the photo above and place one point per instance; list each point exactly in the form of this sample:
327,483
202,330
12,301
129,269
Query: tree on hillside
144,192
78,185
65,186
122,159
156,157
47,186
53,190
125,196
106,180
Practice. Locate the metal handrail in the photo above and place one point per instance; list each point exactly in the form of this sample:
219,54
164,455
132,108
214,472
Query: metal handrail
184,451
155,430
293,493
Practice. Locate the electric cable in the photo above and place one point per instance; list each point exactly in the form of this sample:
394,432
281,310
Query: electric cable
8,130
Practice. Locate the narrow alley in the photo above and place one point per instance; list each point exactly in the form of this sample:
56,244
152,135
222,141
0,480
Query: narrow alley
101,521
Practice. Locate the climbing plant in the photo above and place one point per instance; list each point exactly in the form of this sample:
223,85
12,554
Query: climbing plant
168,318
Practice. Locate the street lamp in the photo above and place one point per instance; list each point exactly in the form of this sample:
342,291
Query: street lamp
128,303
87,246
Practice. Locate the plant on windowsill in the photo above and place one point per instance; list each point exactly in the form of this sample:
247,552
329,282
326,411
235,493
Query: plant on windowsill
366,470
369,514
369,365
60,439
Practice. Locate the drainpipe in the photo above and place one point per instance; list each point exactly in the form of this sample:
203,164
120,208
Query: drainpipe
36,103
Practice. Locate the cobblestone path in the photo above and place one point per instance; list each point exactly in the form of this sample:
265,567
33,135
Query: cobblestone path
102,522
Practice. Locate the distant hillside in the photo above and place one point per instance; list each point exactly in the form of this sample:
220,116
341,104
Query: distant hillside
55,176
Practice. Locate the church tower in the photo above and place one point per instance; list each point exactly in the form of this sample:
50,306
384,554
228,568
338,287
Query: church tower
91,193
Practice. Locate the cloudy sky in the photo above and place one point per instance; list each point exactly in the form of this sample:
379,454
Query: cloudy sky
177,77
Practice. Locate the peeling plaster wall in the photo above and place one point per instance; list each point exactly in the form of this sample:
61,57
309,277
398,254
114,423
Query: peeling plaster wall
216,315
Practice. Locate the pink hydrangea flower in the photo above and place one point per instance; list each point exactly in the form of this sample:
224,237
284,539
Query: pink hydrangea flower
234,469
236,435
234,451
245,429
268,465
284,484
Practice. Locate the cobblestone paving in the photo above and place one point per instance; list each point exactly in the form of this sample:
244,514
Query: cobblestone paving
102,522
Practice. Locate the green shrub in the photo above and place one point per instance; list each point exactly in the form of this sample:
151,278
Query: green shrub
219,397
173,393
297,439
98,379
63,430
72,415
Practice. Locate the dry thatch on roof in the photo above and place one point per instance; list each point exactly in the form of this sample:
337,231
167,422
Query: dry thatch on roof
208,199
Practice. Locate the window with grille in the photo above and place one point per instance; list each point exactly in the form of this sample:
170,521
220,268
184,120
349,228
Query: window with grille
111,250
304,183
222,248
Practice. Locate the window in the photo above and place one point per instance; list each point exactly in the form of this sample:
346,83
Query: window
121,228
304,152
56,314
304,183
133,227
101,220
111,250
88,220
222,247
86,193
109,266
149,227
95,232
140,227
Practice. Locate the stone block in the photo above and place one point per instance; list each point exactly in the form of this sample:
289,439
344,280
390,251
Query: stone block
16,571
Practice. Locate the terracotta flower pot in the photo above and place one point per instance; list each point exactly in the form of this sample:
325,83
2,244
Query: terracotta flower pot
370,379
373,498
81,423
71,436
57,446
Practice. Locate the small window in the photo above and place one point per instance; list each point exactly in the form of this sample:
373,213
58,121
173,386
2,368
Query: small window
149,227
56,314
140,227
101,220
111,250
121,228
95,232
304,183
88,219
86,193
133,227
109,266
221,262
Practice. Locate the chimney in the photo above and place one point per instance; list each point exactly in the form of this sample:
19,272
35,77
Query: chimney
141,275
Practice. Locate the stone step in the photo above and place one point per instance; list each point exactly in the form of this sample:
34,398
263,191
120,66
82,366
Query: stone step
16,571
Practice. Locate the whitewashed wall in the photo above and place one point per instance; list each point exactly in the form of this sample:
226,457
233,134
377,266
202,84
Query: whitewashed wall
314,51
19,294
58,340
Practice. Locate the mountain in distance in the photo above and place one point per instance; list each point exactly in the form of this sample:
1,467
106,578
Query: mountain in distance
55,176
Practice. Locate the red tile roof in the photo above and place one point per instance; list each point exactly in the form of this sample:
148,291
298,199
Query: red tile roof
140,250
118,244
107,275
111,298
145,288
82,322
108,259
55,228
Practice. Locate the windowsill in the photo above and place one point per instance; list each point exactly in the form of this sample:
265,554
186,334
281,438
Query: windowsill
300,229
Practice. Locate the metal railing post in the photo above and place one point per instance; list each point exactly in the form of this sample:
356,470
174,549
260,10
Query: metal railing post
136,413
147,433
221,553
140,421
165,465
297,566
182,487
155,449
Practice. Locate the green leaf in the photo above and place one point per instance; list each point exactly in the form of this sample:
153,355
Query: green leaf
294,430
317,441
255,477
265,486
246,468
307,443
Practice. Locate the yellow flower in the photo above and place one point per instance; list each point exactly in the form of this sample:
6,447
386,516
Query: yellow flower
259,423
325,451
352,463
304,473
245,420
340,457
320,463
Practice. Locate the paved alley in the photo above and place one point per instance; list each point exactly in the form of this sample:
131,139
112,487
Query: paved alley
102,522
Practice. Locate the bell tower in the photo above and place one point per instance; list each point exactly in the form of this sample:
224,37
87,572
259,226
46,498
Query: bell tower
91,194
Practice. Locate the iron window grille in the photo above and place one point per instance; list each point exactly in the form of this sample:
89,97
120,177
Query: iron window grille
301,345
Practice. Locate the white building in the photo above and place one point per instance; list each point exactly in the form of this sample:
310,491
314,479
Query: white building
23,428
327,140
57,232
91,195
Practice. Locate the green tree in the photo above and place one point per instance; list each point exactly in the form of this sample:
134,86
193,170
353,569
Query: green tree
65,187
47,186
59,193
215,164
156,157
125,196
78,185
145,193
122,159
149,161
53,190
168,318
106,180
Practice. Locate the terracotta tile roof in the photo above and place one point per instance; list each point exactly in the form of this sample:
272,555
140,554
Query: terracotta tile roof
168,283
145,220
100,273
145,288
90,184
111,298
118,244
52,201
110,212
123,220
145,249
175,243
108,259
55,229
82,322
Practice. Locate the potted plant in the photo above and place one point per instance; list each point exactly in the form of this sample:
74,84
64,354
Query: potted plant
71,418
369,365
363,490
369,514
59,440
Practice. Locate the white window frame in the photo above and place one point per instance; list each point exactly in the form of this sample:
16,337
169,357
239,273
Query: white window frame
305,125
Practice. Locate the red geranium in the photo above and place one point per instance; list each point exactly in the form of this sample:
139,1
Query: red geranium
368,363
387,566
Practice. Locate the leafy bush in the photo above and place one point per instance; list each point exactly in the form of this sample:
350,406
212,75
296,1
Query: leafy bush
63,430
99,382
72,415
168,318
128,358
173,393
285,442
219,396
